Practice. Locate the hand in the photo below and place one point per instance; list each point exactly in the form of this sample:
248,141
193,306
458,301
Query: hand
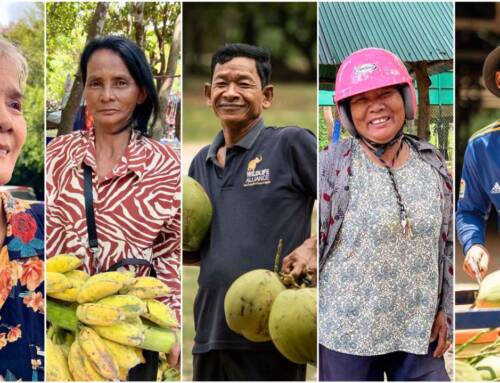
477,255
439,330
303,260
173,358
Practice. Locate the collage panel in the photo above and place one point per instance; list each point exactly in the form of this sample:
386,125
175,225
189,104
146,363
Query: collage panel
21,192
385,191
478,192
113,193
249,177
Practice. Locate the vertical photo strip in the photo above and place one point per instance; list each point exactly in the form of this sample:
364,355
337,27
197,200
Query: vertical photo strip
249,191
385,191
21,192
113,191
477,63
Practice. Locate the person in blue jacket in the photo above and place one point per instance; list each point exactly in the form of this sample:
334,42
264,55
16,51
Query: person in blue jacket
480,183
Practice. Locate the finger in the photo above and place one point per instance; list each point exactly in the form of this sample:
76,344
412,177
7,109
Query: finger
173,357
434,332
441,346
298,269
483,265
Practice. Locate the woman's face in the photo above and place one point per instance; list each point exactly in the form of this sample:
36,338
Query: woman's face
111,92
378,114
12,123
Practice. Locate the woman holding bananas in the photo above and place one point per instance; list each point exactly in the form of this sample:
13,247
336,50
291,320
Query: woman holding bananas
21,238
113,194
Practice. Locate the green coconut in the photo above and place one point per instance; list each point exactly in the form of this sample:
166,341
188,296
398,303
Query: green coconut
464,372
292,324
197,214
248,303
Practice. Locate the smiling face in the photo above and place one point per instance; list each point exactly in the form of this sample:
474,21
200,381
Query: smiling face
378,114
12,123
236,94
111,92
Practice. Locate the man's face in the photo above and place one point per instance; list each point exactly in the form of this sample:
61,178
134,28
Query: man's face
236,94
12,123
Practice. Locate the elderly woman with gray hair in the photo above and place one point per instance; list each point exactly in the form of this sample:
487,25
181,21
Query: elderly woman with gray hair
21,238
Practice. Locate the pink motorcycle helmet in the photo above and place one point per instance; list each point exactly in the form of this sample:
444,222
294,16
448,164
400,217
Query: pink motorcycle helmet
368,69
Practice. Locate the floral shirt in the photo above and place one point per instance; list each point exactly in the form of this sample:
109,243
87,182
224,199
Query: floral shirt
136,206
335,173
22,291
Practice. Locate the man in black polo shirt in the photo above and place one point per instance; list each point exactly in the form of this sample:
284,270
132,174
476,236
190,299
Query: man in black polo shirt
262,184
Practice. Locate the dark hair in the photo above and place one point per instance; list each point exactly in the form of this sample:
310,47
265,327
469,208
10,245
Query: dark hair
136,63
260,55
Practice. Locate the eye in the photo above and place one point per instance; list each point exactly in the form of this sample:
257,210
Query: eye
16,105
220,84
93,84
245,84
121,83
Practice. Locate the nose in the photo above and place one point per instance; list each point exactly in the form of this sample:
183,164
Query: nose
231,92
376,106
5,119
107,93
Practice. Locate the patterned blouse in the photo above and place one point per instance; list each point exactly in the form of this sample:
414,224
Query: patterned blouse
379,289
335,174
22,291
137,206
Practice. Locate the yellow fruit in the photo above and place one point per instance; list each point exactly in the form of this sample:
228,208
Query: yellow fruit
95,289
125,277
130,304
56,363
56,282
68,295
99,314
148,287
123,374
124,333
160,314
62,263
77,275
80,367
125,356
158,339
95,349
489,291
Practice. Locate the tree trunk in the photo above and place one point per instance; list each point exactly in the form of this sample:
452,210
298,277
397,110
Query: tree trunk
423,84
68,114
173,58
138,21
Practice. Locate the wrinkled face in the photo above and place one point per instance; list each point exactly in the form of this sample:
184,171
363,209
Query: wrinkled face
236,94
378,114
12,123
111,93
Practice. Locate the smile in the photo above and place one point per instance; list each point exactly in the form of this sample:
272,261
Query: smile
379,121
4,150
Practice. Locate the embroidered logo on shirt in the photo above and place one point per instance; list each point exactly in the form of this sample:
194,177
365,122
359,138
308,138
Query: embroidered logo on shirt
495,189
257,176
462,189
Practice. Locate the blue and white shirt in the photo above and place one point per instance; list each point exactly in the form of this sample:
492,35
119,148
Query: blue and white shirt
479,186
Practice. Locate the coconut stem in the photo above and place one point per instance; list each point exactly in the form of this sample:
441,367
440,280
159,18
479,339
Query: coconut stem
471,340
278,256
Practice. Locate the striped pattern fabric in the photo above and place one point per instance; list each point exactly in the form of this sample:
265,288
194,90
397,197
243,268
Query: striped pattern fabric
137,206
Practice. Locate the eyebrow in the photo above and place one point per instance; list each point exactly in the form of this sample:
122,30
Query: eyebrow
14,93
240,76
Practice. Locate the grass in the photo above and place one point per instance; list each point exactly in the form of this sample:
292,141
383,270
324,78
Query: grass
294,104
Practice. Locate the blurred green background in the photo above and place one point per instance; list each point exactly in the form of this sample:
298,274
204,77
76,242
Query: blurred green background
288,31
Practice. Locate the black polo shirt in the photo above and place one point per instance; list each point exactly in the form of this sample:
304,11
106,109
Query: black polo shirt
265,192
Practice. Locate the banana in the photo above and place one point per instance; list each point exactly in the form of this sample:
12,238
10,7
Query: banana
158,339
56,363
129,303
124,333
99,314
95,349
62,263
123,374
68,295
126,277
80,367
125,356
148,287
56,282
95,289
160,314
77,275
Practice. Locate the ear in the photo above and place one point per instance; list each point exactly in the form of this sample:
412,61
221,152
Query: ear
142,96
268,93
207,89
497,79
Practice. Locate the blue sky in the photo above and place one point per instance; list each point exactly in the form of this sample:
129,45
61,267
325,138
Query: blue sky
10,11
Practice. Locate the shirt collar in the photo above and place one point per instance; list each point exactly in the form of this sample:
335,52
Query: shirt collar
133,160
246,142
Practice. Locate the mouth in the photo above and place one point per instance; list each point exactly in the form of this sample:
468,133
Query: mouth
108,111
379,121
230,106
4,151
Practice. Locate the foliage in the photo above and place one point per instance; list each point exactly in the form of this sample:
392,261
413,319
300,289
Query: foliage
28,34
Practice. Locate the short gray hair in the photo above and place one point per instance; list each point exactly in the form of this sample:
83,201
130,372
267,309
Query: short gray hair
10,51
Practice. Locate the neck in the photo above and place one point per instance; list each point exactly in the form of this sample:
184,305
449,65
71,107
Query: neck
234,133
109,149
389,153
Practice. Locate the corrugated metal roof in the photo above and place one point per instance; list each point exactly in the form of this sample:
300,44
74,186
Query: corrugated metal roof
413,31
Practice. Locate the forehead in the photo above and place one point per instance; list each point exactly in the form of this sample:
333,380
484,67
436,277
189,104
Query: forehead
106,61
375,92
9,76
241,66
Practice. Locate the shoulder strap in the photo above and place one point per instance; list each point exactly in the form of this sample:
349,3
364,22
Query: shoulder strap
89,208
134,262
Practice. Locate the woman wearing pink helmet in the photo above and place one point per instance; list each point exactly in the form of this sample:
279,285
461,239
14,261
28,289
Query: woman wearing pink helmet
386,277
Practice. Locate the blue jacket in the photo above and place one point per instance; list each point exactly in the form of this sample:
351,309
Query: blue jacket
479,186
